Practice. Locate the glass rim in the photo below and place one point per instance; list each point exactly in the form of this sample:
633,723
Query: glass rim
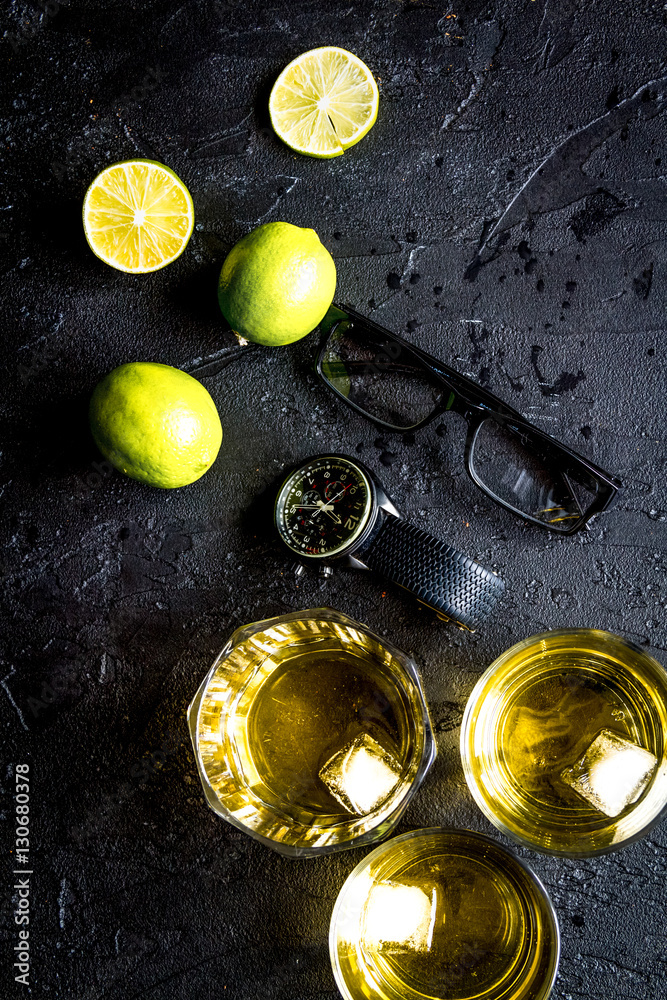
575,522
401,428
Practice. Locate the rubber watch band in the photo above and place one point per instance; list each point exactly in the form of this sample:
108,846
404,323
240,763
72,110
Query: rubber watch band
455,586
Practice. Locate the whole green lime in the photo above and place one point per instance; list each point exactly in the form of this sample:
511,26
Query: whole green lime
155,423
276,284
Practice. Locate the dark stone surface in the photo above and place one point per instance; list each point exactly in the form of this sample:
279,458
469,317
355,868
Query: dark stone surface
508,209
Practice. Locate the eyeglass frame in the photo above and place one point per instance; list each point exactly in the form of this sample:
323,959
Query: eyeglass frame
478,405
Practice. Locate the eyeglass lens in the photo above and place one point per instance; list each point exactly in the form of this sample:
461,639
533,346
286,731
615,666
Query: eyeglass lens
379,377
527,478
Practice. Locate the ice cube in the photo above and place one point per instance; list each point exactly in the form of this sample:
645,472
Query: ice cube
361,775
399,917
612,773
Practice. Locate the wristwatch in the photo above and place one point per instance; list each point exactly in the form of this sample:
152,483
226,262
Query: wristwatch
333,509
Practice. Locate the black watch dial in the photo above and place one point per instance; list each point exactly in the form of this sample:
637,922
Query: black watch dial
323,506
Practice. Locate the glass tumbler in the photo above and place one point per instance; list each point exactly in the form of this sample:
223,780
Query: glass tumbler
310,733
444,915
564,742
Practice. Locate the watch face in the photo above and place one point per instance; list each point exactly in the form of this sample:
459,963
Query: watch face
323,506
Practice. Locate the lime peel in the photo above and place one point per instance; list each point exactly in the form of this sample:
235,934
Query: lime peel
155,423
276,284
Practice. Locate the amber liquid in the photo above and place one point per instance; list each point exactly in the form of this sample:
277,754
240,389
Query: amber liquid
310,707
311,733
535,716
551,724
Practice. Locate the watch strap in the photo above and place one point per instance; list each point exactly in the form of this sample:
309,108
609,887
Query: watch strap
455,586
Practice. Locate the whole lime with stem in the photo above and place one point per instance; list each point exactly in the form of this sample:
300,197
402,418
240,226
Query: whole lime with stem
276,284
155,423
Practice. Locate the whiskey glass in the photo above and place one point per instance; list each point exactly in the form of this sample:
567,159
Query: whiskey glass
564,742
444,915
311,734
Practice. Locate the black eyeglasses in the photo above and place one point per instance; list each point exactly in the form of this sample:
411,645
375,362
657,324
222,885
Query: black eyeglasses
402,388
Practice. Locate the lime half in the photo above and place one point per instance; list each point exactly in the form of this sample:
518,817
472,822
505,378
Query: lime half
323,102
138,216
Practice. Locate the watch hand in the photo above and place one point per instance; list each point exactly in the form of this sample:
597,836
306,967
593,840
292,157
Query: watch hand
322,506
328,507
334,517
333,500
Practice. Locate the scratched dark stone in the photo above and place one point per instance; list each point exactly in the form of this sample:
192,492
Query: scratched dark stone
517,164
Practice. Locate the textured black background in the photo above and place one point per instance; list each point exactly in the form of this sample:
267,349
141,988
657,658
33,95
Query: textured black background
120,595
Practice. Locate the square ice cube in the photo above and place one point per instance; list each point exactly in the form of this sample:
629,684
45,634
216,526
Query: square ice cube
612,773
361,775
399,917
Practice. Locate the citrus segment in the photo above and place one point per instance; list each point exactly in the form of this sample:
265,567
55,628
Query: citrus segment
138,216
323,102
